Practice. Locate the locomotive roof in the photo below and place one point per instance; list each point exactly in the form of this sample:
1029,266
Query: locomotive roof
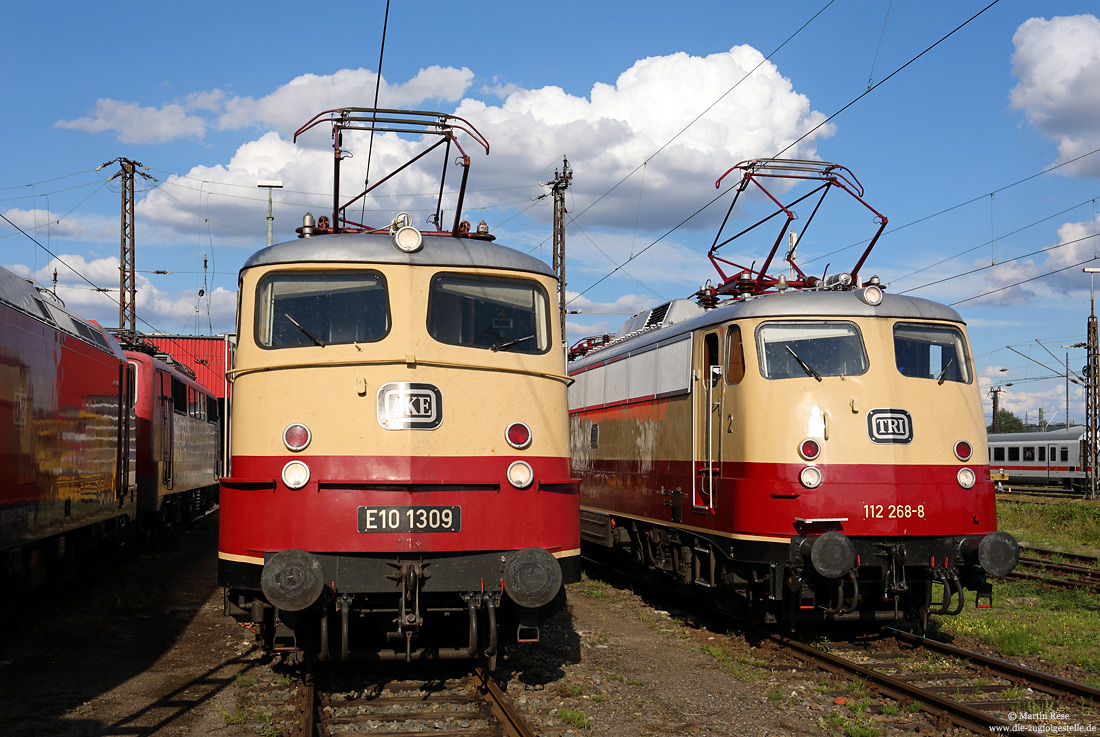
378,248
683,316
18,293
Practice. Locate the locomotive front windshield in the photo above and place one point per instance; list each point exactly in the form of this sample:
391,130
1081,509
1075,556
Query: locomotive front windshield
798,349
321,308
488,312
924,351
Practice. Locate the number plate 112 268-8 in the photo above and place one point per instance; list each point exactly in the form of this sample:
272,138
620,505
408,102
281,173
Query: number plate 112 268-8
410,519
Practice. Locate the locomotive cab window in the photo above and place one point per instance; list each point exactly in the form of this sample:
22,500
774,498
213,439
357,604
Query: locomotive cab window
931,352
489,312
735,356
321,308
790,350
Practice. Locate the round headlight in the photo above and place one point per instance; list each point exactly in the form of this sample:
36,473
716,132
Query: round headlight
296,436
518,435
809,449
966,478
520,474
407,239
963,451
870,295
810,477
295,475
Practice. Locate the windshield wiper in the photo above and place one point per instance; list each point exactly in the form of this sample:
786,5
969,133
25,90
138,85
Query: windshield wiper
309,335
943,374
805,366
510,343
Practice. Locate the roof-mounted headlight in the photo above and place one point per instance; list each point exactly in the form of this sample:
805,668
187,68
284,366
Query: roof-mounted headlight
405,236
870,295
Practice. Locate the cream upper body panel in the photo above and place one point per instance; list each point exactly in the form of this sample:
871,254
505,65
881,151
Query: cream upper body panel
337,387
760,419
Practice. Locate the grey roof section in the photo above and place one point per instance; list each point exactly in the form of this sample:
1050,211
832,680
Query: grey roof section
378,248
1073,434
18,293
15,290
793,304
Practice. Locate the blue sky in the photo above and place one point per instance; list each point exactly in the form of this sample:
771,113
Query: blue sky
207,96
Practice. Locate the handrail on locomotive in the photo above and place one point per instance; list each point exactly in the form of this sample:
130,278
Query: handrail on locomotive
381,120
749,280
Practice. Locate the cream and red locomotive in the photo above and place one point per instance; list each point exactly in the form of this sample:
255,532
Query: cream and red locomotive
802,448
399,482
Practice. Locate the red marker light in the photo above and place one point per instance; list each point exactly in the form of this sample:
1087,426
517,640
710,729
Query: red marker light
296,436
518,435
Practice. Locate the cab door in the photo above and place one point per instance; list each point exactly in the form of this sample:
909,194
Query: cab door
707,418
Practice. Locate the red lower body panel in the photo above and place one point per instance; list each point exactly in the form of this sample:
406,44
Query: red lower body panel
766,499
259,514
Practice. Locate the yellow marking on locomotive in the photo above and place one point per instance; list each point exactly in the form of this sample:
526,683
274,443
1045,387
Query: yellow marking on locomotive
567,553
690,528
241,558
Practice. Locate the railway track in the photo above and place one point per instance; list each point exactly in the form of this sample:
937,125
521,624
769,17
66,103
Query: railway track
442,700
958,688
1058,568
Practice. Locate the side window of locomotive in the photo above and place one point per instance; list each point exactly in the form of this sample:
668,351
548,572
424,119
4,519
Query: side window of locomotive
320,308
488,312
179,397
931,352
790,350
735,356
710,347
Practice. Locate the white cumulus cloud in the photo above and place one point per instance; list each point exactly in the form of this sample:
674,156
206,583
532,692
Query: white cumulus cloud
133,123
1057,65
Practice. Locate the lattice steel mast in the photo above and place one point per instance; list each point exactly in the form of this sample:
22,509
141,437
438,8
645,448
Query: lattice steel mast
127,288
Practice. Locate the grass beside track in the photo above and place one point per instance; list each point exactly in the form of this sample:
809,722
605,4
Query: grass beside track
1058,626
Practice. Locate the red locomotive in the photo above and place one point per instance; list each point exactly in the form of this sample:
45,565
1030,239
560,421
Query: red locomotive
399,481
800,448
66,418
96,445
178,442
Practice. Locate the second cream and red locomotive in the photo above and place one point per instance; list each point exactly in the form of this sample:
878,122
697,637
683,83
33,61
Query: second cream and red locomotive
800,448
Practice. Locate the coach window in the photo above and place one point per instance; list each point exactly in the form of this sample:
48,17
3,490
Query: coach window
790,350
320,308
735,356
924,351
1029,453
489,312
1065,455
998,453
1042,450
1013,453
